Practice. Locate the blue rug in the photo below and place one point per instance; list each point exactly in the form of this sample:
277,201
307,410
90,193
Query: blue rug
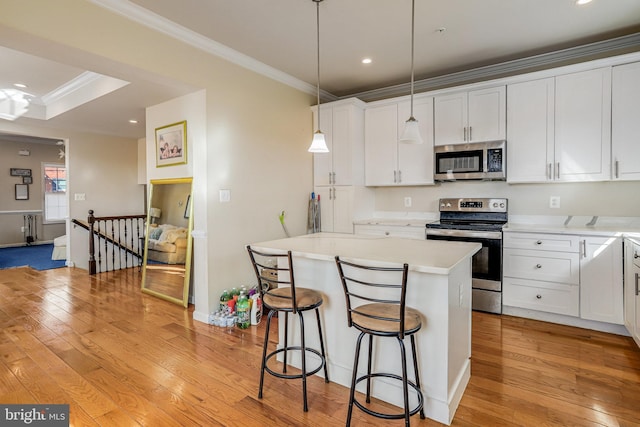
35,256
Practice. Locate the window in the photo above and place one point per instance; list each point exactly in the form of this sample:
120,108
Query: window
55,192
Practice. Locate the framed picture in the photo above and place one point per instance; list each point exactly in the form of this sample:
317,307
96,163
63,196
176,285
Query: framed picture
171,144
187,208
20,172
22,192
27,180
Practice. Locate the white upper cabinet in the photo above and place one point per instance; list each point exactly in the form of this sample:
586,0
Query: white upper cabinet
473,116
583,126
559,128
625,138
343,127
530,137
388,162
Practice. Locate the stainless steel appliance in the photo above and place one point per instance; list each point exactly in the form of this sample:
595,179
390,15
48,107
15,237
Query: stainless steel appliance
480,221
477,160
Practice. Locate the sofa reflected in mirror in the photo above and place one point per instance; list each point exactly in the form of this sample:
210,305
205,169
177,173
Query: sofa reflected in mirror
168,244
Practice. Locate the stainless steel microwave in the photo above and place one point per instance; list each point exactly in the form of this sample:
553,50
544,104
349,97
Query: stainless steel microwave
476,160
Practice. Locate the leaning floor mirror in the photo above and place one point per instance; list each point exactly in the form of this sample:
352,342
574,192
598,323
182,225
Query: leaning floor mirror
168,247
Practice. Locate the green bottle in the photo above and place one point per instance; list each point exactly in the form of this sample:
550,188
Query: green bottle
223,300
243,311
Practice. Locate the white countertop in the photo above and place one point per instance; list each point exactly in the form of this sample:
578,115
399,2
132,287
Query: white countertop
427,256
604,226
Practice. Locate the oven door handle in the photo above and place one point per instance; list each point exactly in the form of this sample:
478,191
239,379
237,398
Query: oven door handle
495,235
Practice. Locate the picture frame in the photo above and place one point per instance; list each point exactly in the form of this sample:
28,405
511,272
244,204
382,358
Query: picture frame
171,144
27,180
22,192
187,207
20,172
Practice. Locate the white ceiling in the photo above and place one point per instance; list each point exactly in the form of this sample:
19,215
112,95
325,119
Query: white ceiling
279,36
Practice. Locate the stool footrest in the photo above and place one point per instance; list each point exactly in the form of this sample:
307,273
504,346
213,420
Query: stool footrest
294,376
401,415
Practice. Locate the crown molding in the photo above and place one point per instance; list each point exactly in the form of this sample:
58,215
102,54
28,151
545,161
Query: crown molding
554,59
156,22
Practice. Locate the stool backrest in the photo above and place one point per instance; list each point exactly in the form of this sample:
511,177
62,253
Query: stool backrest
267,267
365,284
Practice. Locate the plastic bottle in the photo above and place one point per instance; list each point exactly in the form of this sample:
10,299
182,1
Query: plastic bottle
256,309
224,298
242,310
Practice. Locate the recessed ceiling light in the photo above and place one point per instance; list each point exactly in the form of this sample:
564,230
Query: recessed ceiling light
133,121
20,85
581,2
367,61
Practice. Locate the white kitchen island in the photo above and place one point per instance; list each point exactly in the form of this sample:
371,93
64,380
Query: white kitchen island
439,286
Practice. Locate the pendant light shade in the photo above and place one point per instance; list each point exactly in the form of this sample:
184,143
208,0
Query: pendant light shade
411,133
318,144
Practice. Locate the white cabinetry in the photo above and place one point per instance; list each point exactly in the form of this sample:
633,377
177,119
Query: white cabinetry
336,208
530,139
601,290
388,162
583,126
342,122
409,231
559,128
625,134
631,288
572,275
473,116
542,272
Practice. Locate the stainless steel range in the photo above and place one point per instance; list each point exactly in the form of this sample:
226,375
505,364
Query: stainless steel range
480,221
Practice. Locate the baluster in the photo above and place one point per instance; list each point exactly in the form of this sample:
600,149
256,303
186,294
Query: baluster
92,259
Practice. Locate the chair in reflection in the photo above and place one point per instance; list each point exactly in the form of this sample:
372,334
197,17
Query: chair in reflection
375,300
280,294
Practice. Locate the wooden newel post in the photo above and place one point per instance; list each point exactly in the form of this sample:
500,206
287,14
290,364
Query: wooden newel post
92,259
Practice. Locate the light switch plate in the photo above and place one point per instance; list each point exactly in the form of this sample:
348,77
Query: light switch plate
407,202
225,196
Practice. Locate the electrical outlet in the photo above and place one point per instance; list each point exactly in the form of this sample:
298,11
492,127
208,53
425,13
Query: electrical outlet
225,196
22,229
407,202
554,202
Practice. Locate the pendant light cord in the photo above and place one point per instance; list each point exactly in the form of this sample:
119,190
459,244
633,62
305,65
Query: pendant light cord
318,58
413,19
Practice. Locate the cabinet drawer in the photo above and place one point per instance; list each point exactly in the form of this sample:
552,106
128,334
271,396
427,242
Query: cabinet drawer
543,296
535,241
549,266
406,231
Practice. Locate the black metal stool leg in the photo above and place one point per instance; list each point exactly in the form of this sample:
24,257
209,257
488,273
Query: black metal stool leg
264,352
368,400
303,354
286,335
415,370
354,375
405,387
324,357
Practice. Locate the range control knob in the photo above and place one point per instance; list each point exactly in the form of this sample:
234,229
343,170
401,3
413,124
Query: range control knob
448,205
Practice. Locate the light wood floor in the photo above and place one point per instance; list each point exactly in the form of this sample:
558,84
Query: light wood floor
120,358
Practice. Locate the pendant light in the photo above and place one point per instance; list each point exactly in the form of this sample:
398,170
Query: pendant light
411,133
318,144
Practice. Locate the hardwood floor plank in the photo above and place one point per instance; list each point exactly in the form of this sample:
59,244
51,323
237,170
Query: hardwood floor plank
122,358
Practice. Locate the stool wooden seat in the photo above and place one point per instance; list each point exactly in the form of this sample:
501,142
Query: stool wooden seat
375,300
279,293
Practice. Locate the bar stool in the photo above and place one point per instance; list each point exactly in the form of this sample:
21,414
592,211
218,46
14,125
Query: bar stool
375,297
286,298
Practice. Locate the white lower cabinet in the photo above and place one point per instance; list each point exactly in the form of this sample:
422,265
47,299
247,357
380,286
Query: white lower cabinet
632,288
336,208
572,275
601,281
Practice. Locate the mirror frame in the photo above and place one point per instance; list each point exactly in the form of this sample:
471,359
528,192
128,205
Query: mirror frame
189,251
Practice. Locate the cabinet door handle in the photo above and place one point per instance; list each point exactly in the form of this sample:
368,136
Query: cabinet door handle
538,265
399,177
558,170
584,248
395,174
464,133
549,166
617,169
637,290
539,242
334,177
635,255
539,296
470,134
